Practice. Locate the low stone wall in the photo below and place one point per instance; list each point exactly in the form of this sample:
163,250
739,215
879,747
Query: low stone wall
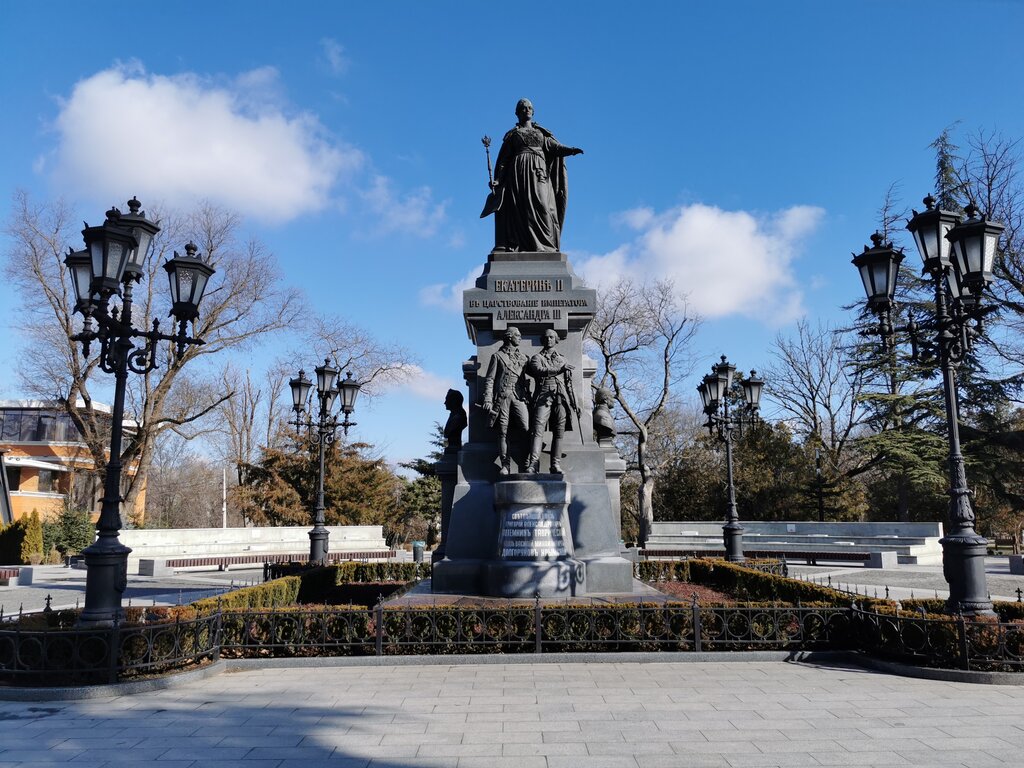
164,543
912,543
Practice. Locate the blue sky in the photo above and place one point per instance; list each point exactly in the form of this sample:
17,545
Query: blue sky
741,147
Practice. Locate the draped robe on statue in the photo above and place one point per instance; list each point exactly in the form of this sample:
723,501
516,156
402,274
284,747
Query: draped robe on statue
530,172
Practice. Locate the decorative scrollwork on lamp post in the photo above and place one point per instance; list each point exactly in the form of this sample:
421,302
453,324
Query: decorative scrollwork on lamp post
112,262
958,257
718,397
321,434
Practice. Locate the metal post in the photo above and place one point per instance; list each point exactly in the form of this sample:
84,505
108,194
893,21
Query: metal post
106,559
538,625
695,608
379,613
963,549
820,483
732,530
319,535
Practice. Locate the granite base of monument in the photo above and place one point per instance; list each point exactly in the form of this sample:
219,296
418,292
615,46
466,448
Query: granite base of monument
534,548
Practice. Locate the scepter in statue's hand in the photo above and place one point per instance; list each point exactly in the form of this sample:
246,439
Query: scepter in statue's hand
494,197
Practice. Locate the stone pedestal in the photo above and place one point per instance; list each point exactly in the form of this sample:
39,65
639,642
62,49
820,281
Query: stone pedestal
535,549
533,292
446,470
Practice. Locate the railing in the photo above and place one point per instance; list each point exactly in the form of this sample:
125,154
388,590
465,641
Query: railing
952,642
79,656
531,629
90,656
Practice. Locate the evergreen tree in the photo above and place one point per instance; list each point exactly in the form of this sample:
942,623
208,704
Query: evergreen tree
32,544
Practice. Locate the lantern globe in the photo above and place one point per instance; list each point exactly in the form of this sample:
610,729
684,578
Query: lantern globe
143,230
879,267
715,388
188,276
725,371
326,376
79,264
975,243
300,387
705,396
752,388
110,248
930,228
349,390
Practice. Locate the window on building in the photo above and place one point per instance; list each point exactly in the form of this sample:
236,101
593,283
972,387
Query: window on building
13,478
47,481
12,426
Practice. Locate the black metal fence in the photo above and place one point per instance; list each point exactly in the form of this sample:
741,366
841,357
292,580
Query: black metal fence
952,642
80,656
89,656
531,629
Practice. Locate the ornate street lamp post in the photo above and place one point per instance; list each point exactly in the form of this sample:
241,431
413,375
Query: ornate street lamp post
321,434
716,393
112,262
958,256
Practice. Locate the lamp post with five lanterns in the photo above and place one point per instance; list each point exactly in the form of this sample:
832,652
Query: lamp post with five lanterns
321,434
112,262
716,394
958,256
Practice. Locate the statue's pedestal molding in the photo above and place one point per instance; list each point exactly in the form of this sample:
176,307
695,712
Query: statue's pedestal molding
535,549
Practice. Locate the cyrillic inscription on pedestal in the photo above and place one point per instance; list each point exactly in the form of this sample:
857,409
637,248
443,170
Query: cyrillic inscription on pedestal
533,534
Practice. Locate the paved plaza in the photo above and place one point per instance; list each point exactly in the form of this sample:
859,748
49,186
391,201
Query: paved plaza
739,714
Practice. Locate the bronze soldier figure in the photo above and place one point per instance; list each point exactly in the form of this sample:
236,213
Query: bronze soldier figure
552,401
506,393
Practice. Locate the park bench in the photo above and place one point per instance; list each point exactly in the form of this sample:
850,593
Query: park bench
9,577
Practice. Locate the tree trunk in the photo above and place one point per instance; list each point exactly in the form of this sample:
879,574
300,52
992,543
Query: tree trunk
902,500
646,490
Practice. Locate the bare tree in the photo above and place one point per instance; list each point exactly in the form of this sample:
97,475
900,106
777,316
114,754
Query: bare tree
245,302
816,391
643,335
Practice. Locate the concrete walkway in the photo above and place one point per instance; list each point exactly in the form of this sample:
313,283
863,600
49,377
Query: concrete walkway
533,715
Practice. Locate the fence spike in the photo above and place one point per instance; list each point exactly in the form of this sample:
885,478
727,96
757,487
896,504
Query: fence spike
886,591
1020,595
911,594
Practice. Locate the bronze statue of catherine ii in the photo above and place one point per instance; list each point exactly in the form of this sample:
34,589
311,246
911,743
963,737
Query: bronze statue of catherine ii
529,187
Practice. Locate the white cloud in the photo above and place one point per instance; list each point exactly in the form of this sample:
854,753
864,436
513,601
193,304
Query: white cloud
335,56
423,384
635,218
723,262
177,139
448,297
413,213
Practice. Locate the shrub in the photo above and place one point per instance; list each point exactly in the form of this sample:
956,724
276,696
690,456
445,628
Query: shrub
32,544
746,583
271,594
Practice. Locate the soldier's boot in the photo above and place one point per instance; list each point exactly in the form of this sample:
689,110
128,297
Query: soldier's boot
505,467
532,464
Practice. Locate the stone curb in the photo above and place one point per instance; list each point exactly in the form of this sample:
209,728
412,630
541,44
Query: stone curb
131,687
628,657
822,658
933,673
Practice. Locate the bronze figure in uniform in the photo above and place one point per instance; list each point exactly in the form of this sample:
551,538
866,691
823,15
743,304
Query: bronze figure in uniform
553,401
506,393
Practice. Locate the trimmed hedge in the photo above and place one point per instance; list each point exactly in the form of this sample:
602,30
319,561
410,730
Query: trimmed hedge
272,594
747,583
